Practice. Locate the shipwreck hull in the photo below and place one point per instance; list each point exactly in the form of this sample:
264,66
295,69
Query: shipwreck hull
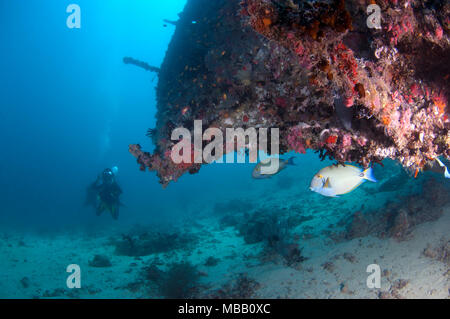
317,72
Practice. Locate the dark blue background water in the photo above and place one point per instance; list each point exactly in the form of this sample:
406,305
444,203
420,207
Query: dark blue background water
70,107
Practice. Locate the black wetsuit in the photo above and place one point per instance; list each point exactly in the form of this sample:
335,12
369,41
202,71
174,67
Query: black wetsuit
107,194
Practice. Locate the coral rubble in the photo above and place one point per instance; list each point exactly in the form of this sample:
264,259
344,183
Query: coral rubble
271,227
100,261
441,253
178,282
147,243
316,71
241,287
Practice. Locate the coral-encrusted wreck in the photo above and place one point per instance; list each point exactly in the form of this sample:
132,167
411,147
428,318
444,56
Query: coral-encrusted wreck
316,71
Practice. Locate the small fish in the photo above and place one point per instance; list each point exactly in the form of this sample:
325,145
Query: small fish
271,167
332,181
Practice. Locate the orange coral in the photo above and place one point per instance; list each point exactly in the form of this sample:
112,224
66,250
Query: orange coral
439,101
385,120
267,22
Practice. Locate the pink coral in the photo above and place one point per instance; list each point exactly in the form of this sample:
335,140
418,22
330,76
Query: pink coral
299,49
346,140
439,32
281,102
303,54
295,140
416,90
405,120
349,101
400,27
362,141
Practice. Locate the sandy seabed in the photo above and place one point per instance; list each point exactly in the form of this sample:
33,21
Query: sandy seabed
34,266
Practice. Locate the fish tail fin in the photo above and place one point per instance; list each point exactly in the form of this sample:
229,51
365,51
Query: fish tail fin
368,174
446,173
291,161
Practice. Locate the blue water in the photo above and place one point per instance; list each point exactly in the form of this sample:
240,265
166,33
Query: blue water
70,107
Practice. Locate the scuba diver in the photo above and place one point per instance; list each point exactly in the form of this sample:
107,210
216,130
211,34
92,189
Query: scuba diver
104,193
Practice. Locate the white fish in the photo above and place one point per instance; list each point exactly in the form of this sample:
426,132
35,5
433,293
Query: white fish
332,181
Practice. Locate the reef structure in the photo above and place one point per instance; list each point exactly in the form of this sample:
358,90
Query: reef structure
321,71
